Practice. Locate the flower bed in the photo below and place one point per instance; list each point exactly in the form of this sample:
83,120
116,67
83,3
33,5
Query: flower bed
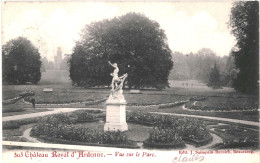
83,116
198,98
164,138
60,126
227,107
224,104
189,129
236,137
80,116
152,99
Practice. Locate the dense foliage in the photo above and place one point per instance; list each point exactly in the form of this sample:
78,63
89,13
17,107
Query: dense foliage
196,65
164,138
137,44
21,62
214,78
244,22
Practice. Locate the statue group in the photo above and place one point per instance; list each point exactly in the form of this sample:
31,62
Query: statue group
117,82
116,103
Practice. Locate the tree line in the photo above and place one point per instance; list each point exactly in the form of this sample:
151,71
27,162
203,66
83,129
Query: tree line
199,66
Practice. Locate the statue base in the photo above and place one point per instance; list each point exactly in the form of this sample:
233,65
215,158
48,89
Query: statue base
116,114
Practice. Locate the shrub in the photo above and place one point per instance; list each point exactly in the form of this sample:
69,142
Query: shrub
220,107
198,98
84,116
164,138
142,117
50,125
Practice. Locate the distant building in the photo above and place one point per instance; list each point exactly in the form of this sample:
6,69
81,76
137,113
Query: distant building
58,59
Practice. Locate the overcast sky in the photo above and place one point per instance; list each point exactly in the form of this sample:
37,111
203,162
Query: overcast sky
189,26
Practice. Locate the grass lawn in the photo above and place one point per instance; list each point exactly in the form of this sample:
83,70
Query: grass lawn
61,92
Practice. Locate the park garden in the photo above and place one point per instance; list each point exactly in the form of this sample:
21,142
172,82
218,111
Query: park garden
211,106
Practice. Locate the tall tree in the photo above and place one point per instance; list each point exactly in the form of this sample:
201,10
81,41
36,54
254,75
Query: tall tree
244,21
135,42
21,62
214,78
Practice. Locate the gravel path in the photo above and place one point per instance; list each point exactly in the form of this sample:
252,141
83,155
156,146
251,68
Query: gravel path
26,135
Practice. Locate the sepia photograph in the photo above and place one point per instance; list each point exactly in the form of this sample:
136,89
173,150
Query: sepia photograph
130,81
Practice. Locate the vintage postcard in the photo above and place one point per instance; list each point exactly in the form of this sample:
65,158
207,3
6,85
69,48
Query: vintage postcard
130,81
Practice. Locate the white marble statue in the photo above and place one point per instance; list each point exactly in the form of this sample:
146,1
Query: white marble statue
117,82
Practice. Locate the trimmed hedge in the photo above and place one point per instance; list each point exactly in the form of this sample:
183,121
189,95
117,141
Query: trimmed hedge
227,107
83,116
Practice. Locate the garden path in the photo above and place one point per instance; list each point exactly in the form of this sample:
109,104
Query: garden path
26,135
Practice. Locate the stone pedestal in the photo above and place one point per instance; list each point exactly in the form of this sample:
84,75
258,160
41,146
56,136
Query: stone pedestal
116,114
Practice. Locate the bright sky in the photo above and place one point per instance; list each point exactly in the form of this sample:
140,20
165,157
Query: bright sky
189,26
